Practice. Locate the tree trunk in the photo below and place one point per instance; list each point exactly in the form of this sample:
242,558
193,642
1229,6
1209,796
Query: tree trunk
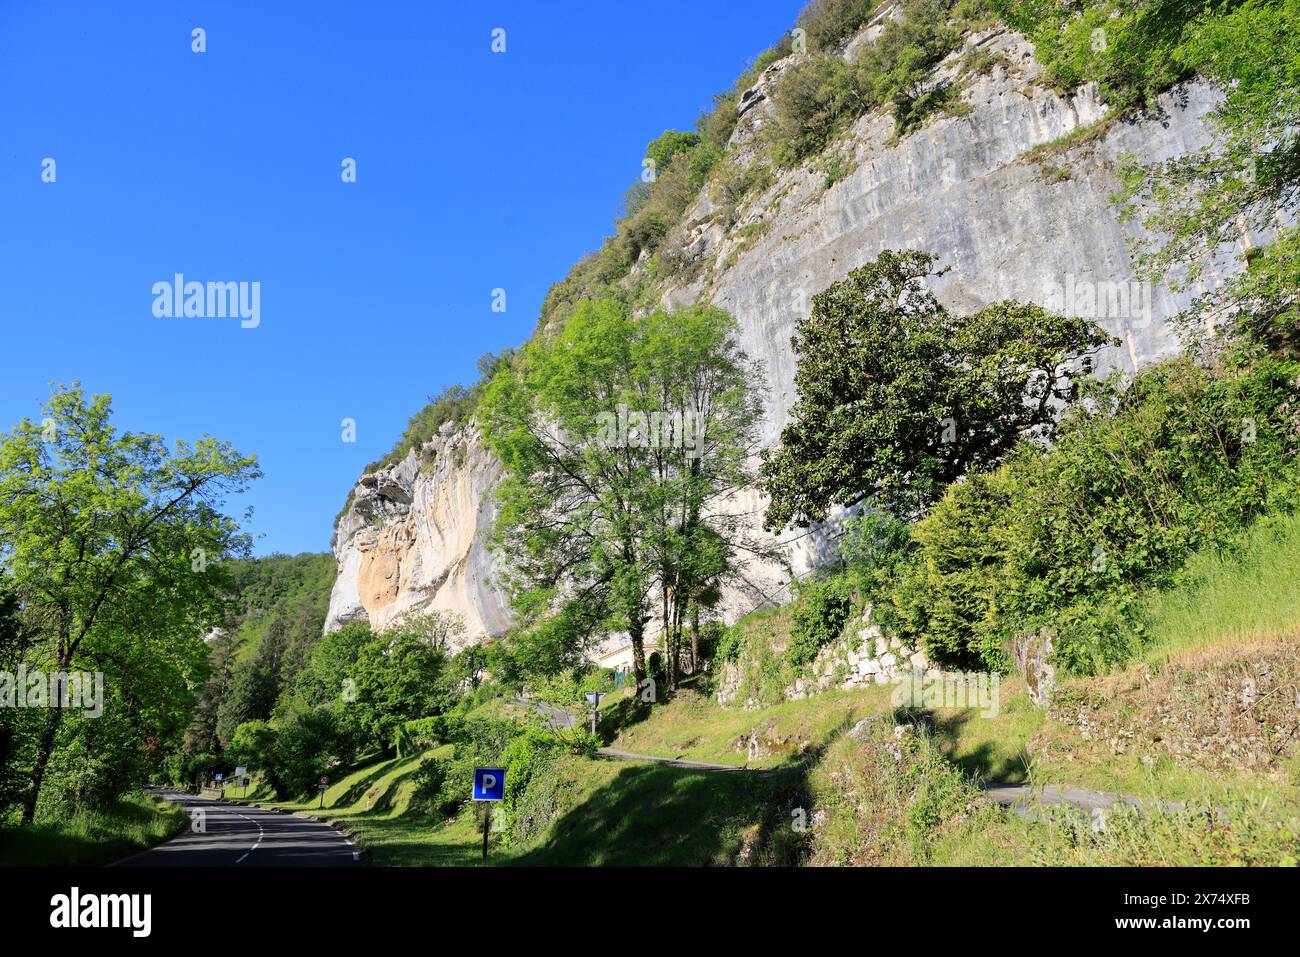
42,762
635,630
695,638
667,652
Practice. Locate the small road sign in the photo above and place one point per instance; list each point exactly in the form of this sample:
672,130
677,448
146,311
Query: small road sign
324,780
220,776
593,699
489,784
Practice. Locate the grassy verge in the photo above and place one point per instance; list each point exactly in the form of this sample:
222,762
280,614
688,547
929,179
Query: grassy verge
692,726
91,838
1250,594
607,812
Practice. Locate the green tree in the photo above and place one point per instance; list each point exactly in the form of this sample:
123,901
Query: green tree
1241,184
896,398
614,433
402,673
250,696
331,670
690,371
113,544
668,145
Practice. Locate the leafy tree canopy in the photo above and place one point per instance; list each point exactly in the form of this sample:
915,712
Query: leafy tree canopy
896,397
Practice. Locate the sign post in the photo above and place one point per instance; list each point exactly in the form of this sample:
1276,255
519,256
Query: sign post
593,699
324,783
489,786
245,787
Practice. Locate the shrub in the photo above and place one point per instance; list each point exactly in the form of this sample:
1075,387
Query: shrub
412,737
895,67
828,23
814,101
1139,55
873,540
730,644
669,144
434,788
1187,457
820,612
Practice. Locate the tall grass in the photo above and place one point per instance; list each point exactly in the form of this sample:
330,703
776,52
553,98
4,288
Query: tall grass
1252,592
131,824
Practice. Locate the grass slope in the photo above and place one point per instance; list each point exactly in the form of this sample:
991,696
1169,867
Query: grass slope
1169,726
91,838
612,812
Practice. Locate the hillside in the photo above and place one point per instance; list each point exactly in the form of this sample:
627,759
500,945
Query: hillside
1012,189
845,778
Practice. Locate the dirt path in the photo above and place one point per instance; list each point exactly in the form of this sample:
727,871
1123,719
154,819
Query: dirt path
1026,801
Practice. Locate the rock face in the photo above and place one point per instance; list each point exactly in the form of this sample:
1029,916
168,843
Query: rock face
1010,226
415,538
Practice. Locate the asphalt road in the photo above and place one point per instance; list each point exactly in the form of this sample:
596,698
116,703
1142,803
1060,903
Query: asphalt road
234,835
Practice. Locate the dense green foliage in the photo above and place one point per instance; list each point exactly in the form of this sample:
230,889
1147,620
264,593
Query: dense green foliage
1187,457
822,94
821,609
1131,49
359,692
896,397
278,611
114,547
613,434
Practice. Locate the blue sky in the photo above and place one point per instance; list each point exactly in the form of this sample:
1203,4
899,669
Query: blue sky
475,171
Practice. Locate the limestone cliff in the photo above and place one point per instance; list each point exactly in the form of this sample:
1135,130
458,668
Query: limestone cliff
414,538
1010,225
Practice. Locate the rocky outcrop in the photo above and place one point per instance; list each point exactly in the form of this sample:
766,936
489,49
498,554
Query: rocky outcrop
414,537
1012,212
864,655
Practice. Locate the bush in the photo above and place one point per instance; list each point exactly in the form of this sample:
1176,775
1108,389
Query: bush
873,540
814,101
293,753
424,733
438,788
828,23
1140,55
669,144
730,644
1187,457
819,615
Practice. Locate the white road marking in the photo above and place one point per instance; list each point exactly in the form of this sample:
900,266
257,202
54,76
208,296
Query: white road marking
260,834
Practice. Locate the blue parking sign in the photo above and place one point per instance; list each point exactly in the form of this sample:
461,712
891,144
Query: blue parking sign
489,784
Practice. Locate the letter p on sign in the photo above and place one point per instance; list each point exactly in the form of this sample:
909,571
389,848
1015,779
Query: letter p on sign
489,784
